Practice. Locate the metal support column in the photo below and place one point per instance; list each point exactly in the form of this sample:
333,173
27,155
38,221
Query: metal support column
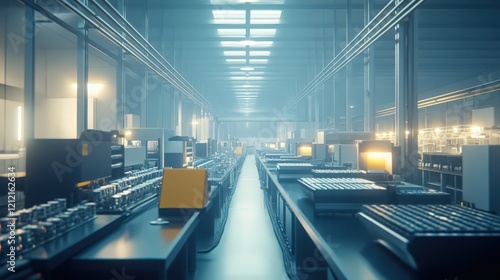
29,76
348,69
317,53
120,78
369,83
82,74
145,91
334,78
406,98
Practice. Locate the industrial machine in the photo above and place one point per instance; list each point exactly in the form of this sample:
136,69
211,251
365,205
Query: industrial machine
179,151
61,167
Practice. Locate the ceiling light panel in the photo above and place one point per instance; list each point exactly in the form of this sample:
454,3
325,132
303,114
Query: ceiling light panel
235,33
256,33
246,78
247,86
246,90
247,68
265,16
258,44
246,1
235,53
257,61
235,60
229,16
260,53
231,44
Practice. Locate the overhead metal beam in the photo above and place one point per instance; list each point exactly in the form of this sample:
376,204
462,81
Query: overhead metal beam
253,6
384,21
135,44
449,97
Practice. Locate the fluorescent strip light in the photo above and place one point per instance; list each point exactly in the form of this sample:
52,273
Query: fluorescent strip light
231,32
229,16
265,17
19,122
225,2
235,60
247,43
246,78
229,13
255,33
266,14
246,68
231,44
260,53
263,44
264,21
256,60
235,53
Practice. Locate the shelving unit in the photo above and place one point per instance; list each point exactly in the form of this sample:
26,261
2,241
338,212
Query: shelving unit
179,151
117,161
443,172
451,139
190,151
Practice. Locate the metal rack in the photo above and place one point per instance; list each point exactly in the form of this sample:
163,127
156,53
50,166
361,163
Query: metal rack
450,139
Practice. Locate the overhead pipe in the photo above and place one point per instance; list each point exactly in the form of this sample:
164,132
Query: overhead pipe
177,81
449,97
369,34
159,66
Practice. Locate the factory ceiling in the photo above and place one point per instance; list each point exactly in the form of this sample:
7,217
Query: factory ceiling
249,59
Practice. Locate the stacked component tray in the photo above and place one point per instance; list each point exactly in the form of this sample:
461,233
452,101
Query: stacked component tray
436,236
30,228
342,194
338,173
406,193
127,193
293,170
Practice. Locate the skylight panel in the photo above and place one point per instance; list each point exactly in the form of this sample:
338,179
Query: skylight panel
237,33
252,43
229,16
248,86
257,61
246,90
246,1
247,94
235,53
265,16
246,78
256,33
235,60
260,53
231,44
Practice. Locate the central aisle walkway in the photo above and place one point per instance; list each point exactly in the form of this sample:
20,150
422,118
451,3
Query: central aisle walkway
248,248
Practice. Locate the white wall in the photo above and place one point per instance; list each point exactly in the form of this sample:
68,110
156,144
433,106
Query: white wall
55,118
55,103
